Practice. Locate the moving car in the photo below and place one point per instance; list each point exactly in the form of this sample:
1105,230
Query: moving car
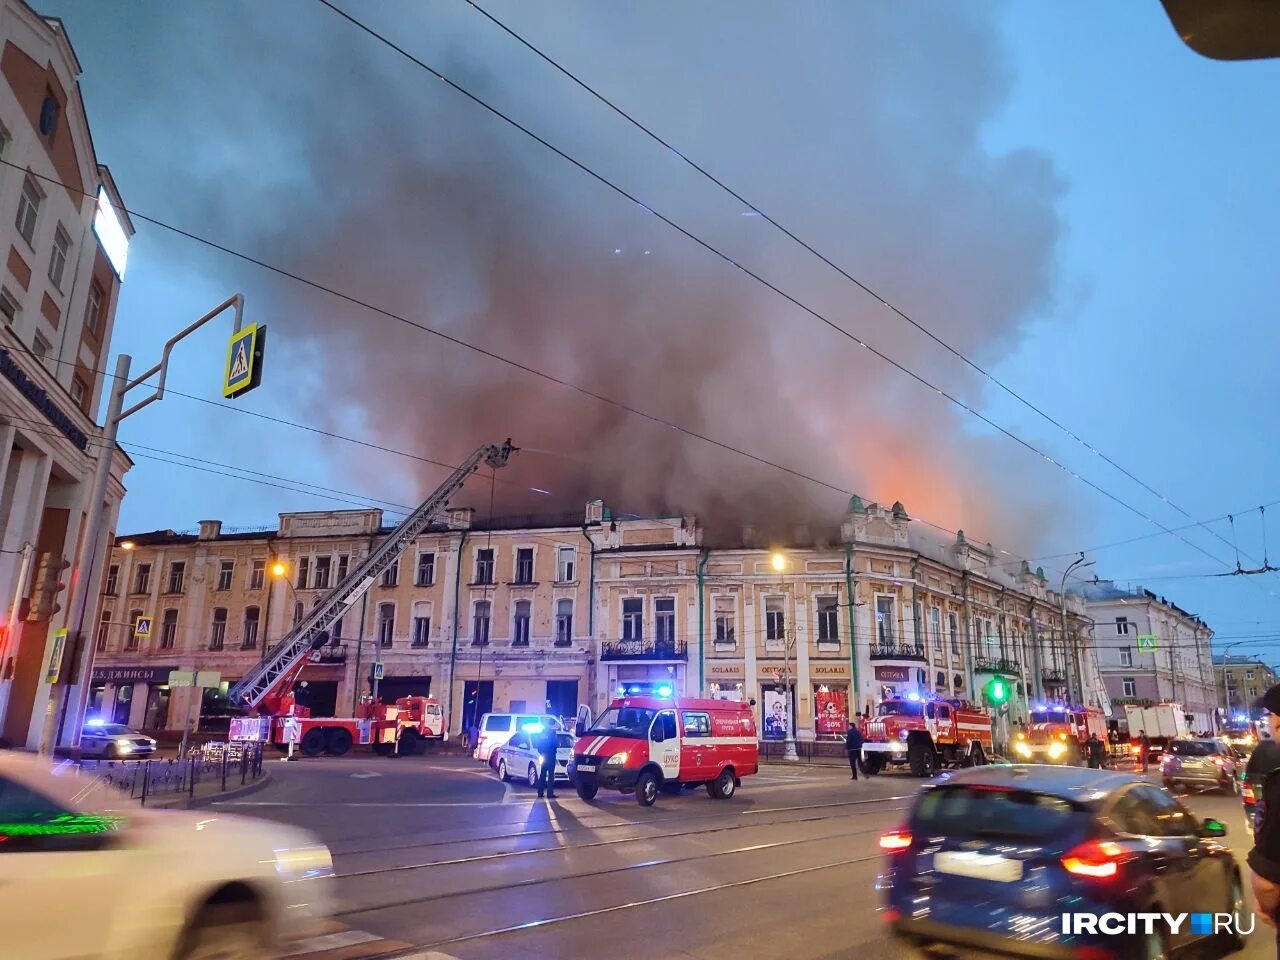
990,859
497,728
518,758
90,874
114,741
1201,761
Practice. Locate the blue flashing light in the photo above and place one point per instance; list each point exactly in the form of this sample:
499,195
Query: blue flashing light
663,691
532,728
1242,718
94,722
913,695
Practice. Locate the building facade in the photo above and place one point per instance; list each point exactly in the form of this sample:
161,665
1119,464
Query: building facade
531,615
1241,680
64,246
1172,662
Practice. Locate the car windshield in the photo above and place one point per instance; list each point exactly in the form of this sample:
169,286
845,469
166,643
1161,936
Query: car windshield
1193,748
1050,716
624,722
109,730
968,813
900,708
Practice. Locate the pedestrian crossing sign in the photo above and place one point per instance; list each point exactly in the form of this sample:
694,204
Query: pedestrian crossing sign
142,628
244,360
1147,643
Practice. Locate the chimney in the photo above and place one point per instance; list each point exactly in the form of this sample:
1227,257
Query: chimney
210,529
459,518
595,512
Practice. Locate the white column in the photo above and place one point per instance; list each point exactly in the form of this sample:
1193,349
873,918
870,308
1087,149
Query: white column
804,686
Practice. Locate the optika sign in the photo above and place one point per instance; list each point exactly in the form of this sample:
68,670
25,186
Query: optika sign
1114,924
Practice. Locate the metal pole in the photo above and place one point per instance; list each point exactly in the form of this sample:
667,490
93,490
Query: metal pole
789,745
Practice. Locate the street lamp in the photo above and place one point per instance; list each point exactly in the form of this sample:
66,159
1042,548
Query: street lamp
279,570
779,563
1072,651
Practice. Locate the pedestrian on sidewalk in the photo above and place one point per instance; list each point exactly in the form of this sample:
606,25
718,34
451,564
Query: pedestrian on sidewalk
1144,750
545,742
853,746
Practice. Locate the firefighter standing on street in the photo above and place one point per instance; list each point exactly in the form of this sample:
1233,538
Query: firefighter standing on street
546,742
1093,747
1264,858
853,746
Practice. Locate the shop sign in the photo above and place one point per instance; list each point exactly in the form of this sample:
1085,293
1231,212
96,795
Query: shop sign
133,674
41,400
828,670
724,669
894,674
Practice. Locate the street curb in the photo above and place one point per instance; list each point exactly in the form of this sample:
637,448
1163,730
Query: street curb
191,803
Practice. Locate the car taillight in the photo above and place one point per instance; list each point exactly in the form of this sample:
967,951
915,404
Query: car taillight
895,840
1098,859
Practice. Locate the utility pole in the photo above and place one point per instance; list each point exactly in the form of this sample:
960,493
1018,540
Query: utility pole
779,563
1072,650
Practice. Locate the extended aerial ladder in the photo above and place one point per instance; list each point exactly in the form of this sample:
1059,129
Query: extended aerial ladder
270,682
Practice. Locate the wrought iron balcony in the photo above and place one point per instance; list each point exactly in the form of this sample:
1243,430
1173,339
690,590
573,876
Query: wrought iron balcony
644,650
1053,675
330,653
897,651
997,665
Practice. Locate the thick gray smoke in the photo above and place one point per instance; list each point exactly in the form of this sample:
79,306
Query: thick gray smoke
859,126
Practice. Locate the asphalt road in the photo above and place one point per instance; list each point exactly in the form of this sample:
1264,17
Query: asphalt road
437,854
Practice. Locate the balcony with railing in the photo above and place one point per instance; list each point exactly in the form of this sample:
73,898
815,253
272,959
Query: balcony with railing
889,650
1053,675
997,665
330,653
644,650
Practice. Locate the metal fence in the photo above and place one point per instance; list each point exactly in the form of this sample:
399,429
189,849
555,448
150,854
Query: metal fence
212,767
820,751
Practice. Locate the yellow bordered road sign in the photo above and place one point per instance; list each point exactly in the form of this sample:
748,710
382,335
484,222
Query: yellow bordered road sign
244,360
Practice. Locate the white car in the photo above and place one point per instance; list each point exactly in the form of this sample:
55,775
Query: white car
114,741
497,728
85,872
518,758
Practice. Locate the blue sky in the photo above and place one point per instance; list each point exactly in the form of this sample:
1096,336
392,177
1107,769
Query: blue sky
1066,192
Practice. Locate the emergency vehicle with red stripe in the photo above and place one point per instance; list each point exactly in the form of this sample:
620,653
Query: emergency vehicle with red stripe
925,735
1059,733
645,744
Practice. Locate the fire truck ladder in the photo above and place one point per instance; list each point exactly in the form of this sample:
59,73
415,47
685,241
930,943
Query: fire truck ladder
313,630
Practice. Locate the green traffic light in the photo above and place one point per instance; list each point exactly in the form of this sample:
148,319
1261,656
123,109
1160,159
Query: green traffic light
997,691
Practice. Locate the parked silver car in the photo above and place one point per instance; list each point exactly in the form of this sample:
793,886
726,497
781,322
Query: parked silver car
518,758
1208,762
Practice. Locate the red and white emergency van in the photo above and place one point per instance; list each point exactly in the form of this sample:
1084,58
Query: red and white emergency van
1059,734
925,735
647,744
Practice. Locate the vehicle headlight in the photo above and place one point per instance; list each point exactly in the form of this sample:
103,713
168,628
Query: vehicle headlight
304,863
617,760
1021,749
903,734
1056,750
124,745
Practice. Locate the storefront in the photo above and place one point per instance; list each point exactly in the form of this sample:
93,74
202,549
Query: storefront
775,717
831,703
896,681
136,696
725,681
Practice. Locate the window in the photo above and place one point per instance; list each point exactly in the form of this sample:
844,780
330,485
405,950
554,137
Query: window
1248,674
343,560
421,624
391,575
226,571
564,623
1126,657
775,624
935,628
1253,692
104,625
304,571
696,724
726,622
336,633
218,631
1122,626
257,574
664,610
884,619
177,573
93,308
250,638
113,580
131,636
169,630
953,631
386,623
426,569
58,257
28,210
40,348
480,624
828,620
1129,686
633,618
566,564
78,392
524,565
298,611
9,307
520,633
142,579
323,567
484,566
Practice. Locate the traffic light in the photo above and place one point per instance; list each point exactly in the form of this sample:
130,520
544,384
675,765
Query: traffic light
997,692
49,583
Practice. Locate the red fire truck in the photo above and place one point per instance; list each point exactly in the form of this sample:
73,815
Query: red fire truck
925,735
647,744
1057,734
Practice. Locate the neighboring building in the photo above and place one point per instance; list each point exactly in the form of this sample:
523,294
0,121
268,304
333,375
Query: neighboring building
1240,682
1179,669
547,614
59,285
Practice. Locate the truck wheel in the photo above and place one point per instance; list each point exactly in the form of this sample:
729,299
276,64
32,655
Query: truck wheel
587,789
921,759
646,788
408,742
872,764
338,741
312,742
723,787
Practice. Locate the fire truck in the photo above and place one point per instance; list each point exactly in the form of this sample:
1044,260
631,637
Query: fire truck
1057,734
266,693
925,735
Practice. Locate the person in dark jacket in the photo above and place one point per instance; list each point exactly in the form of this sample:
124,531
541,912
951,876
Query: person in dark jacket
1144,750
545,742
1093,748
1264,759
853,746
1264,858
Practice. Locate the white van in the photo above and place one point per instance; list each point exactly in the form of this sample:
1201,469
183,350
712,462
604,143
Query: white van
497,728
